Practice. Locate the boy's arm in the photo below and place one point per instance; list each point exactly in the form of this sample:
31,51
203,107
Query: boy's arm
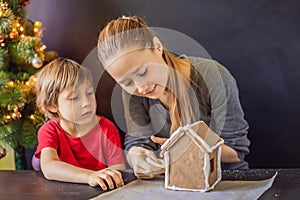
54,169
120,166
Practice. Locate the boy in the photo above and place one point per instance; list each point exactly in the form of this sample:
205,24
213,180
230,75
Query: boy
75,145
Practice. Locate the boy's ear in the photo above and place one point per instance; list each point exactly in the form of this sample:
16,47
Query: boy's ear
157,44
52,109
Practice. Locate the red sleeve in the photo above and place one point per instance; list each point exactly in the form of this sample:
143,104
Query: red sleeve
113,148
47,137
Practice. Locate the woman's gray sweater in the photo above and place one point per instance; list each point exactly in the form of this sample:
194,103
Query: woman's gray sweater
146,117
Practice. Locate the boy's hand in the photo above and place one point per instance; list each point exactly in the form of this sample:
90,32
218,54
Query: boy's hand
106,177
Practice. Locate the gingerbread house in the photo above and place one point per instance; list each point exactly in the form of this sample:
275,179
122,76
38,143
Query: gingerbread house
192,158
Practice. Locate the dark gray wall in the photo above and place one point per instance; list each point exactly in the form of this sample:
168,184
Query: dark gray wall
258,41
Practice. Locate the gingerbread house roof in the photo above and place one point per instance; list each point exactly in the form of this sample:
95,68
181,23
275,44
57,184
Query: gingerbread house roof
200,133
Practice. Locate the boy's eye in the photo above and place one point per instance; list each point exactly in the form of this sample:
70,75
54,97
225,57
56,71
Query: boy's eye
90,93
73,98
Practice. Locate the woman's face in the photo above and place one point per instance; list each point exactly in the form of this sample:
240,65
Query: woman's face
141,72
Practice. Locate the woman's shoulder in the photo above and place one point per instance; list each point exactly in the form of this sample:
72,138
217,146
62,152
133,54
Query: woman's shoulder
198,60
210,68
204,63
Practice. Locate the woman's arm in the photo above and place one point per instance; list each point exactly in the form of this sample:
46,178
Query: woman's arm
235,128
54,169
227,116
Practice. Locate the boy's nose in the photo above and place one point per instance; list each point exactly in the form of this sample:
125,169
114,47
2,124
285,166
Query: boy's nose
85,101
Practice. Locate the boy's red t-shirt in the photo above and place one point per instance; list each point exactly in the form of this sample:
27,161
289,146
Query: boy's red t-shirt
99,148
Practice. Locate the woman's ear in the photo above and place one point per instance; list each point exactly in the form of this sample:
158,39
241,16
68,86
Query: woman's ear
157,45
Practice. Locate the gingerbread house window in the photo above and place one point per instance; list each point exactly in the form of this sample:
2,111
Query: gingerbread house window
212,165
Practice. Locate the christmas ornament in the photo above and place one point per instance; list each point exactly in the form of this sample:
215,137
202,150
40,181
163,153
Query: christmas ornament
24,3
2,152
37,62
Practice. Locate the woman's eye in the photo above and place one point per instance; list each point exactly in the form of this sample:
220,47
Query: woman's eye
126,84
143,73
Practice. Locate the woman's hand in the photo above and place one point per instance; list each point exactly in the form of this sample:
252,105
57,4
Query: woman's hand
158,140
137,158
106,177
229,155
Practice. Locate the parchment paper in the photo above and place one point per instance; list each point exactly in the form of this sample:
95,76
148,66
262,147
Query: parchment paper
154,189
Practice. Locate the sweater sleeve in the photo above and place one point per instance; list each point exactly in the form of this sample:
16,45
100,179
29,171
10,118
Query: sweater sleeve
227,116
235,128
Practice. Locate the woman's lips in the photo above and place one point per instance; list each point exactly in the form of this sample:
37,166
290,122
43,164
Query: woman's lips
150,91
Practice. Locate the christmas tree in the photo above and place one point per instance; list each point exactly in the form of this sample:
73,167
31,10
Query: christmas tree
22,53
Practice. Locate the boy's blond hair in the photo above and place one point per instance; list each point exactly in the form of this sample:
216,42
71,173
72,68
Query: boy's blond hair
55,77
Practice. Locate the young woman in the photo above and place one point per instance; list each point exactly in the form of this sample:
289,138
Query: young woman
75,145
163,92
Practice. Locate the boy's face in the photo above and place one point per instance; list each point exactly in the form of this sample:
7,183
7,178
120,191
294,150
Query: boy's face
77,104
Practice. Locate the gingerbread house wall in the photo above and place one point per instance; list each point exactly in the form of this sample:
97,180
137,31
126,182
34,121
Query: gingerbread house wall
186,166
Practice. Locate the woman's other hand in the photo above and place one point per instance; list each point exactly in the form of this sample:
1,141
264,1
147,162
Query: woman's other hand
158,140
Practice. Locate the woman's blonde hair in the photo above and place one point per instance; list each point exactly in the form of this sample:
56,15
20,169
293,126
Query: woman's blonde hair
133,33
52,79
